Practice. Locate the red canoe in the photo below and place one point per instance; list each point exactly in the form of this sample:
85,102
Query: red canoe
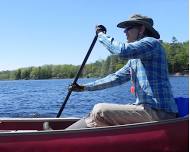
26,135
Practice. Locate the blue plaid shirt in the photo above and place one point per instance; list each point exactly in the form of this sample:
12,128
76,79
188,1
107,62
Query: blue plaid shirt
146,67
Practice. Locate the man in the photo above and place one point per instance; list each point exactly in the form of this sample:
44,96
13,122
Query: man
146,68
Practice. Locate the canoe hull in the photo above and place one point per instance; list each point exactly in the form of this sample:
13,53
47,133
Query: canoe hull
171,135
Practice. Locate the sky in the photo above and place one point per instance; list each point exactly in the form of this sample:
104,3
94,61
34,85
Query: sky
39,32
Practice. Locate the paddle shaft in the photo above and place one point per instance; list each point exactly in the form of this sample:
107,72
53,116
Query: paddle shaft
77,76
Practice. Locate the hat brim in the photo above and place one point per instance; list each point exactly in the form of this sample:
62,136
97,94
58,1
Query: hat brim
125,24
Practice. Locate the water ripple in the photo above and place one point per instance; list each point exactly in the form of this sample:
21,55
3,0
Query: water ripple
43,98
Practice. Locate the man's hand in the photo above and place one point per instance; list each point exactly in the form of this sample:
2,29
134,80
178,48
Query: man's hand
75,87
100,28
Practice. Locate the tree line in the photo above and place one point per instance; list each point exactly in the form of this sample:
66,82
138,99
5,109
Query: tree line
177,54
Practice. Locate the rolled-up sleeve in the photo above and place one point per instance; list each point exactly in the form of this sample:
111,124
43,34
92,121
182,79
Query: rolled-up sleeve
143,48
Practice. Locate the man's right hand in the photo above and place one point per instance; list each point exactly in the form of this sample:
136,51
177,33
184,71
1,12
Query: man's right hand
100,28
75,87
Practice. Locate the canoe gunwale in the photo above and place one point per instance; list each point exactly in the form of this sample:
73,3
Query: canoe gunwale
84,130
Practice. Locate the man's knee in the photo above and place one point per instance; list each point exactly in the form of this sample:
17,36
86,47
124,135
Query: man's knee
97,109
100,109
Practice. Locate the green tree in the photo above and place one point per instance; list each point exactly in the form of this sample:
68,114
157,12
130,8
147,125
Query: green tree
35,73
18,74
25,73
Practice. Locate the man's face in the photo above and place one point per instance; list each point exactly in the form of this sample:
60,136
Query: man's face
132,33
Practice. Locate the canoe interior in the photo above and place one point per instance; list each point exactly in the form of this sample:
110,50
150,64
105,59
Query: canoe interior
35,123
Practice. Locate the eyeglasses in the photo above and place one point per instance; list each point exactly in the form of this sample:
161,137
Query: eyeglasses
128,28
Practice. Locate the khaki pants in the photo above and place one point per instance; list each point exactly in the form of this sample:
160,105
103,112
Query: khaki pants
106,114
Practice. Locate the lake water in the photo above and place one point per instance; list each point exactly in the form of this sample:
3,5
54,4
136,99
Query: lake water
43,98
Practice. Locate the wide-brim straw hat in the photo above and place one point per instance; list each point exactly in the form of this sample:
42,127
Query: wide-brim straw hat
143,20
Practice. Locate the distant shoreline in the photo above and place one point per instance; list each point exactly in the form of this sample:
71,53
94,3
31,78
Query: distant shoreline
178,74
173,75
